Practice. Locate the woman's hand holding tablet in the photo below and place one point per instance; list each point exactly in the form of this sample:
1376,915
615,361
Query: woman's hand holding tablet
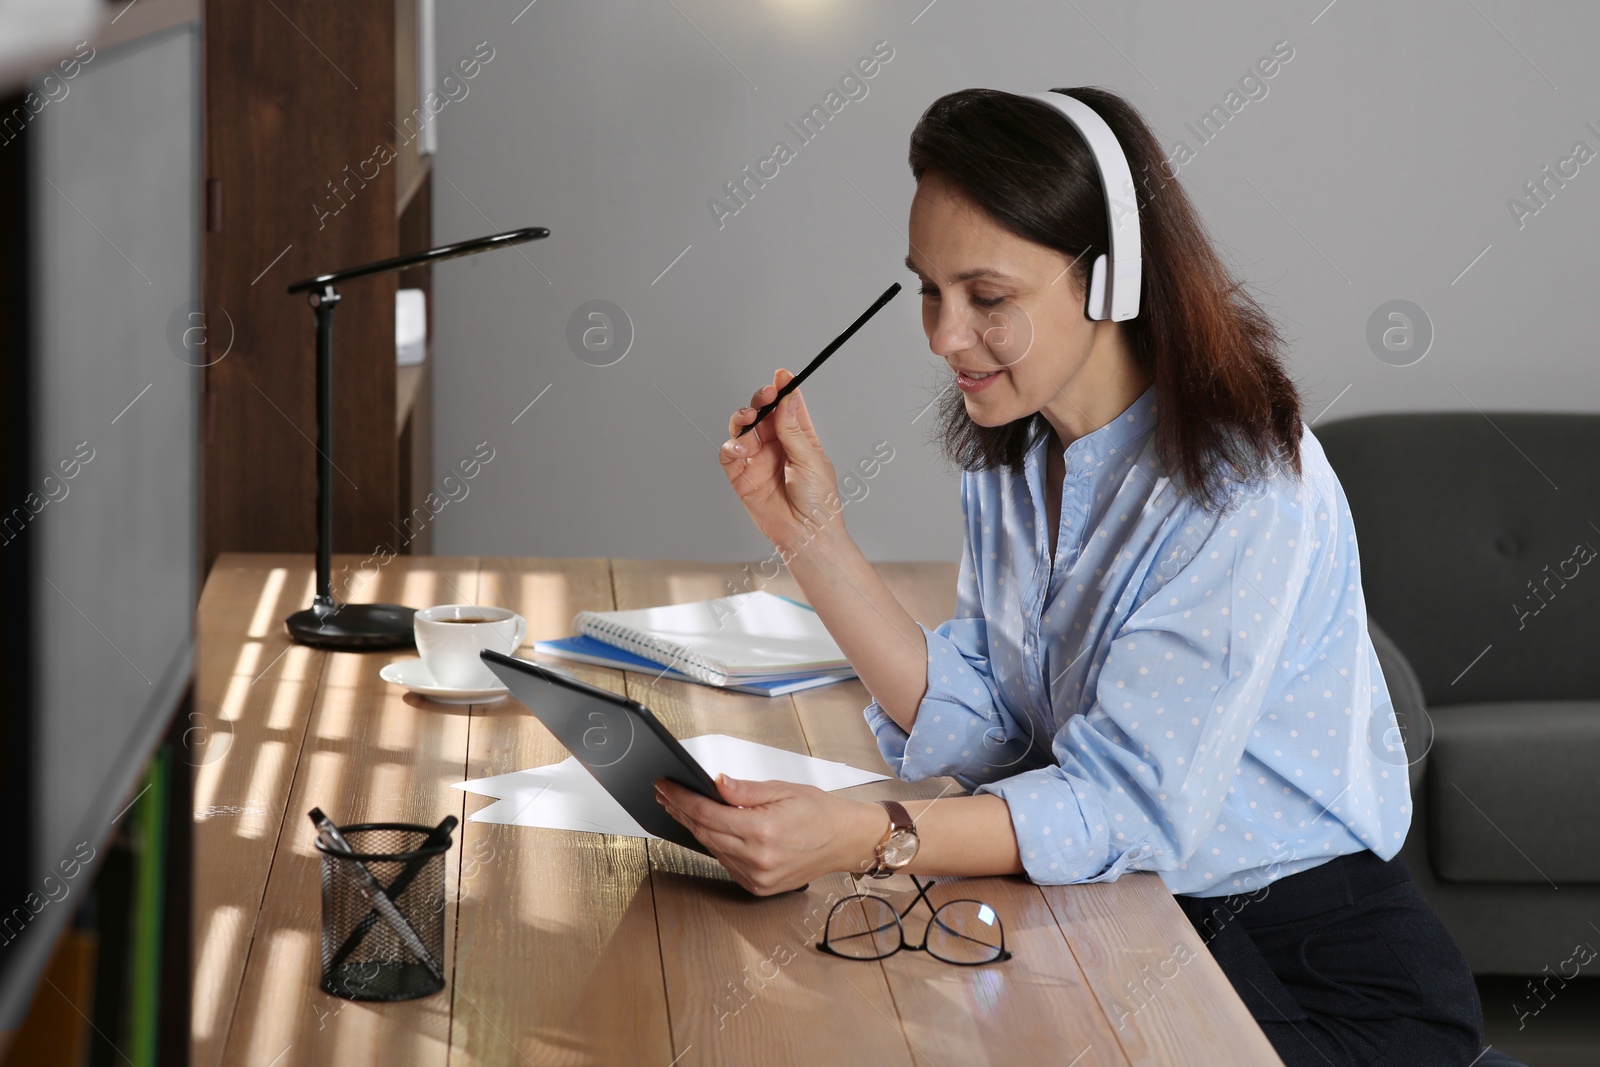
777,836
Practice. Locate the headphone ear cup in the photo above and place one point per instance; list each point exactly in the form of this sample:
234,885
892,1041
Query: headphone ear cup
1095,301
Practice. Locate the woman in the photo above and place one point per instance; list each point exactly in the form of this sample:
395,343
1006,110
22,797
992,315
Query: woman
1160,658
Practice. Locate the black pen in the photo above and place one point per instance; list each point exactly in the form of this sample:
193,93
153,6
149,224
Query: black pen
794,383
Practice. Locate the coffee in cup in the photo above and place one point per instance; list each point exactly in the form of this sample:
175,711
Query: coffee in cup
450,636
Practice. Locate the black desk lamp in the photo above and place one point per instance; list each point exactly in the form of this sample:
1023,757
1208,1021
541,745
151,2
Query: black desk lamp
359,626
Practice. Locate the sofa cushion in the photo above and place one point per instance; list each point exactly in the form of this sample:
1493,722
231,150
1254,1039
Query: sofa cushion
1514,792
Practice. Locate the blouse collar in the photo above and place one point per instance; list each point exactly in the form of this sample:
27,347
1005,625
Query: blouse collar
1112,439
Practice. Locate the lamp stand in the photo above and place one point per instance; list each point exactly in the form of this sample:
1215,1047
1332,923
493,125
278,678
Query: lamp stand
327,624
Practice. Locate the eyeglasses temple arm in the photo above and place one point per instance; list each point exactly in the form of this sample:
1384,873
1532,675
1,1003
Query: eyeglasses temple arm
922,895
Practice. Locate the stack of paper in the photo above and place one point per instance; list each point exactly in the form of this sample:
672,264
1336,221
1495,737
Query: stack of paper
565,796
751,642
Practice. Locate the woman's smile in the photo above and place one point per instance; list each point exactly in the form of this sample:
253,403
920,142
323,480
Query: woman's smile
976,381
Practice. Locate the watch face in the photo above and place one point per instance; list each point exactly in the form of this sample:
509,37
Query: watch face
901,849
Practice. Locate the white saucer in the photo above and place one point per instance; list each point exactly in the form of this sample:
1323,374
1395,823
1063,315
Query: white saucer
415,676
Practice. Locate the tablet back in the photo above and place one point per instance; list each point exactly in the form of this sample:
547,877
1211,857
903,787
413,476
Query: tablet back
621,743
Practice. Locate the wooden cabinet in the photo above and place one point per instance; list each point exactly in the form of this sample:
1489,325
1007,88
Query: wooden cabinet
308,170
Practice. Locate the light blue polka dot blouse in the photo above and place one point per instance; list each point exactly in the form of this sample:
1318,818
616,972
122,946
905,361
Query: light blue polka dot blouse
1188,692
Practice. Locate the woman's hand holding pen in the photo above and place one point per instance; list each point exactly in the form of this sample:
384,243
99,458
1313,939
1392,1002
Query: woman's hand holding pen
786,483
783,477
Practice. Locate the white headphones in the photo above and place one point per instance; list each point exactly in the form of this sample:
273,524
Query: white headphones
1114,288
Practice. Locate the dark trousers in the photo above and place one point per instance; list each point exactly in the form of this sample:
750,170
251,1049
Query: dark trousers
1345,963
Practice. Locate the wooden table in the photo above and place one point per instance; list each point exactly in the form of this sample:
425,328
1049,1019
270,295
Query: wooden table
574,948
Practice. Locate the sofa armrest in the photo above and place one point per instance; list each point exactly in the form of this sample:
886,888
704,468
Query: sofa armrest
1410,709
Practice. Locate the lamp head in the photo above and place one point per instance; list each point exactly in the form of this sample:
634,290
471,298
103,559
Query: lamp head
416,259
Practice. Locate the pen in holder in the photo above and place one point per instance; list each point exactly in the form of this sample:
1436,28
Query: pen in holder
383,906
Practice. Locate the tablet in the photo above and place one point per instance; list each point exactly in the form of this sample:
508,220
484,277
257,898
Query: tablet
618,740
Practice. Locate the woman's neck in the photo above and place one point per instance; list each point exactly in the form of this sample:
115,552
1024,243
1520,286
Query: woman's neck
1105,386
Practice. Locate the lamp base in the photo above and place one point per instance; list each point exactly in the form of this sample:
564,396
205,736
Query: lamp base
353,627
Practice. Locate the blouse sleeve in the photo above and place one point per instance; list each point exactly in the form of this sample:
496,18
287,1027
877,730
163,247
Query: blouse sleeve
962,727
1140,777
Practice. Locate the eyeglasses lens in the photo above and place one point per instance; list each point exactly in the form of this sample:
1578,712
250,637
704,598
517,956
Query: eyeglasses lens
965,932
863,928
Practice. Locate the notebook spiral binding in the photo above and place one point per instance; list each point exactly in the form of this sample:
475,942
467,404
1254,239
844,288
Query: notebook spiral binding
666,653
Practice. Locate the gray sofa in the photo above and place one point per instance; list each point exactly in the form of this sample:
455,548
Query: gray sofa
1480,553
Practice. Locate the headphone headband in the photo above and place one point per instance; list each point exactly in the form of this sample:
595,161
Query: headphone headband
1113,287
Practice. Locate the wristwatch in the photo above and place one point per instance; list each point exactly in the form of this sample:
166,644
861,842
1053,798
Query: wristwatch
899,845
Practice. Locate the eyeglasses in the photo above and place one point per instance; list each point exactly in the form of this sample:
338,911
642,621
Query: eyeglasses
964,932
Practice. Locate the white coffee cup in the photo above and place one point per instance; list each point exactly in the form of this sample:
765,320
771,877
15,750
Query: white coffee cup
450,636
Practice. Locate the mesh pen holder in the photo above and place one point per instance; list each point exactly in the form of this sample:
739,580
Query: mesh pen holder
363,956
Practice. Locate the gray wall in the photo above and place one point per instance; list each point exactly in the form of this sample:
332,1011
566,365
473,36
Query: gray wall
1378,166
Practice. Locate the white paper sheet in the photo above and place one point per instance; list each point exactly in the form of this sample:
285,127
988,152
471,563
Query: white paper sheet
565,796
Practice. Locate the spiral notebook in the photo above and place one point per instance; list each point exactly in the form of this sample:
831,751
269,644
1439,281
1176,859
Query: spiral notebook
583,649
747,637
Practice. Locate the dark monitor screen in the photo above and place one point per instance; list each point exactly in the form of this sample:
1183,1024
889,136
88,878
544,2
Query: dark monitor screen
99,536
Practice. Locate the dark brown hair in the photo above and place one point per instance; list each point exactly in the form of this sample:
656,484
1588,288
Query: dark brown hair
1227,410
